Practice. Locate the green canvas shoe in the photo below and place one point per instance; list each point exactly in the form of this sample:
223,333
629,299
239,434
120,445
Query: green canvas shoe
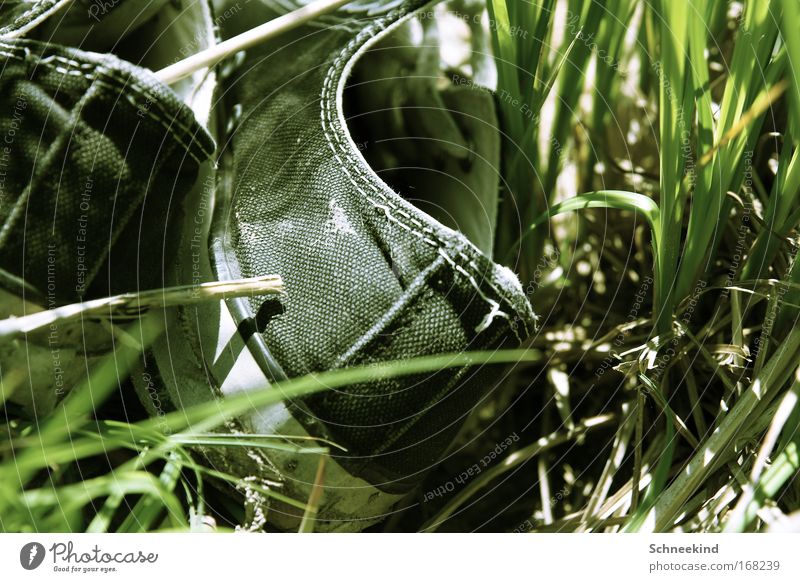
95,150
383,241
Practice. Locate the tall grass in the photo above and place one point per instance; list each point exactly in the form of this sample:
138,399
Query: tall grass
722,232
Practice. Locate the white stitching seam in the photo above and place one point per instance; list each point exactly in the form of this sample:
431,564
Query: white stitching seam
416,227
131,90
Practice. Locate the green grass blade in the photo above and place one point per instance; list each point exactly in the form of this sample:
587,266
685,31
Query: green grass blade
82,402
753,71
789,23
663,467
613,199
204,417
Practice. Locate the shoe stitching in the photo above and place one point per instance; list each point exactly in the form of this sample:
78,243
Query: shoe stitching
112,74
130,89
416,227
32,17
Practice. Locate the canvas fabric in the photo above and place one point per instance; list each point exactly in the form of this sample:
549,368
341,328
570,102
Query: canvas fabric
89,142
369,277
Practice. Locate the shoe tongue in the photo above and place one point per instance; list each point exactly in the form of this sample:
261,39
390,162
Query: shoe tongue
434,142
